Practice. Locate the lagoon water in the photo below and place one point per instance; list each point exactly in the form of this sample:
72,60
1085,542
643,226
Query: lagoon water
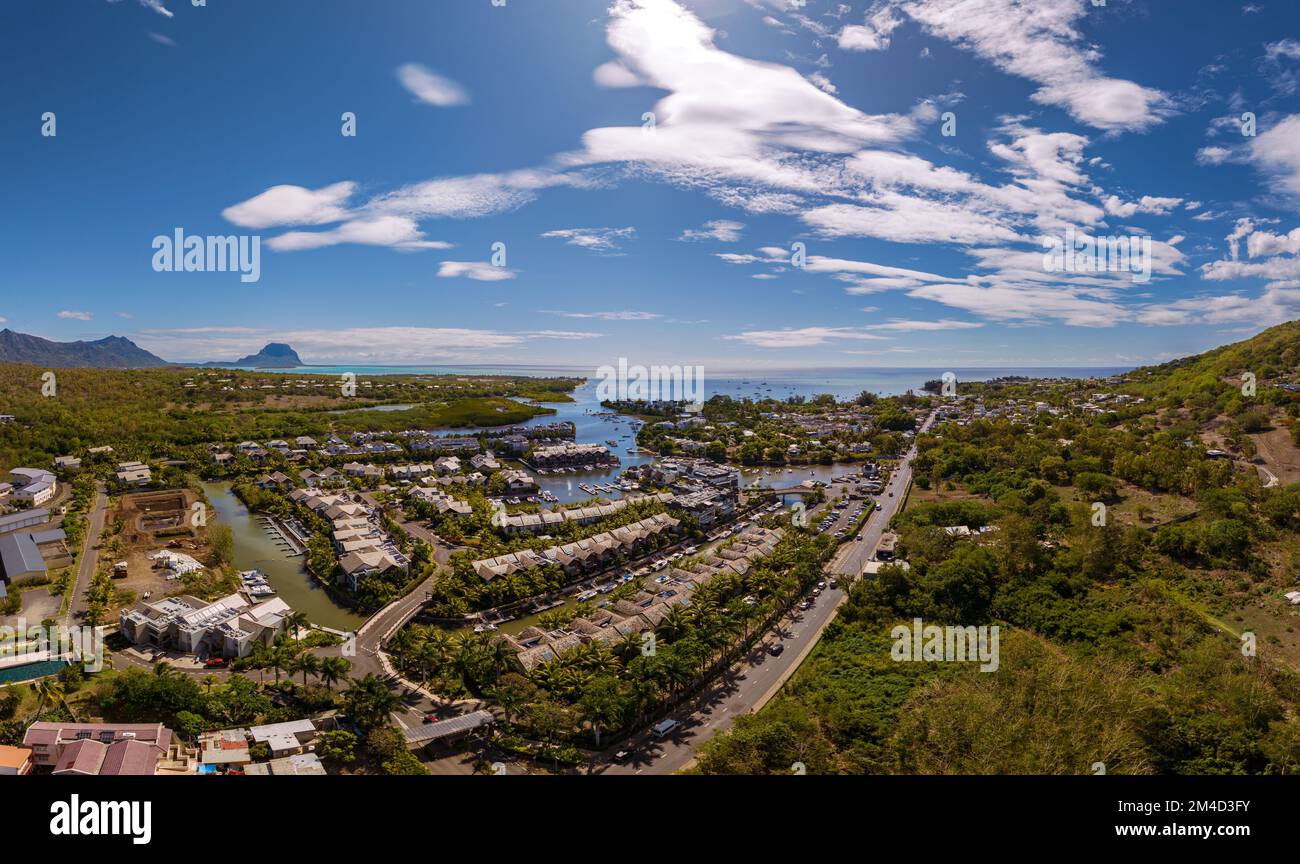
255,549
595,426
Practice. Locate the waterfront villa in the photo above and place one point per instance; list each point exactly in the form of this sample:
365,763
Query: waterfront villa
227,627
582,556
535,523
644,612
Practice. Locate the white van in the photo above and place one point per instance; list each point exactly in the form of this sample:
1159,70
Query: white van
664,728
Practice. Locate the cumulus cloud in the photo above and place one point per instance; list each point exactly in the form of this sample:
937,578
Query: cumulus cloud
1147,204
292,205
873,35
614,74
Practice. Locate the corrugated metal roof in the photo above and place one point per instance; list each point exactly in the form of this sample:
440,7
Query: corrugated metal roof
18,555
445,728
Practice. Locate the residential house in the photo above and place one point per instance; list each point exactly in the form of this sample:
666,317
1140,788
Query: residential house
15,761
228,627
107,749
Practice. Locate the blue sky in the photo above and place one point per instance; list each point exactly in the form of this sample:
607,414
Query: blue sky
775,123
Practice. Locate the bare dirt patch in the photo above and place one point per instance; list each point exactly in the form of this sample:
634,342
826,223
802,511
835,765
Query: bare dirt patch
152,521
1278,454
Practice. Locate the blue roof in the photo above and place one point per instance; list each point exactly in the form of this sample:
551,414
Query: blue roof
19,555
23,518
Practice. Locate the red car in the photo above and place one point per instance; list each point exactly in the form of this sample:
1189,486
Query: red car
215,663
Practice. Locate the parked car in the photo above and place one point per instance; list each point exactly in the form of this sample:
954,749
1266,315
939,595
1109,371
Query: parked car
775,649
215,663
664,728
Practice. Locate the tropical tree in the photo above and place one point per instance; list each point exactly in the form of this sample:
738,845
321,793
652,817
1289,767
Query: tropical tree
368,702
333,669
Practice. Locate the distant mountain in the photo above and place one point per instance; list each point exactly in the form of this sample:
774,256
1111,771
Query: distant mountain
112,352
276,355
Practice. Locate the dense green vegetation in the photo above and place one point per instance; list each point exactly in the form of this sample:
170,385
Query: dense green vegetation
596,690
171,412
1129,573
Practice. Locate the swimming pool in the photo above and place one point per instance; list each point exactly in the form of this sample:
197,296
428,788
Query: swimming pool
30,671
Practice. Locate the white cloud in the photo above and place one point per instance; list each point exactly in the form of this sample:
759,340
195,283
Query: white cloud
348,345
394,231
79,316
1277,150
1147,204
722,230
874,34
155,5
292,205
627,315
804,337
161,39
480,271
614,74
823,83
1213,155
594,239
1041,42
730,125
926,326
430,87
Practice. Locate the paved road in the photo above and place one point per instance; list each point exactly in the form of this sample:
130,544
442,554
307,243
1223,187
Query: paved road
853,556
89,557
749,685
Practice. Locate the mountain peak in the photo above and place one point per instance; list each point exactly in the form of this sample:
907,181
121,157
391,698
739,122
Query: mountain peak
275,355
111,352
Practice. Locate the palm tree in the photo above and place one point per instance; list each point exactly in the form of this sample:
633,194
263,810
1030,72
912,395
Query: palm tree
51,689
308,664
209,680
278,658
674,624
295,620
163,669
629,646
369,702
333,669
259,658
